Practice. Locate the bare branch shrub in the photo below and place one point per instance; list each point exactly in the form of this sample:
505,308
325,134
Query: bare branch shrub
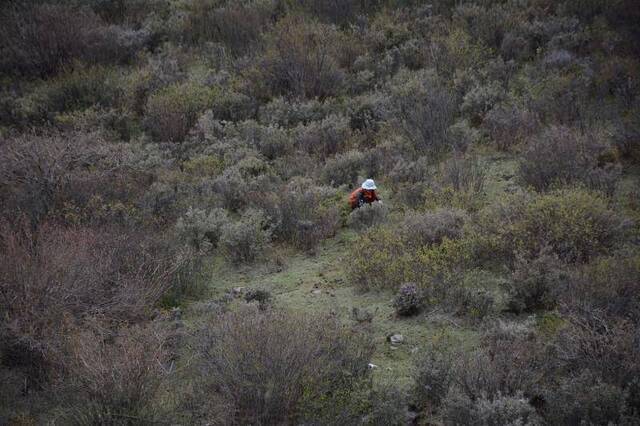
263,364
300,59
560,155
425,110
114,378
52,278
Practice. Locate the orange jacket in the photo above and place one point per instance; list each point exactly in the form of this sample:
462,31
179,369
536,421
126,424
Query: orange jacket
361,196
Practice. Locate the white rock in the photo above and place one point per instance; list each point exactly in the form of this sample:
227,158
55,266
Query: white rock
371,366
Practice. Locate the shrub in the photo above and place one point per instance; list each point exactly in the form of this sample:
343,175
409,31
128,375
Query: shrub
203,166
39,39
388,406
75,273
536,283
299,59
246,239
369,215
271,141
508,125
200,229
290,113
408,300
232,189
482,98
264,364
324,138
173,110
474,303
114,377
585,399
378,260
237,25
574,224
463,174
606,284
504,410
425,109
434,377
424,229
263,297
560,156
37,171
344,168
305,214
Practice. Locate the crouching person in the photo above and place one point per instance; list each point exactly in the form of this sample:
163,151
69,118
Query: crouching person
366,194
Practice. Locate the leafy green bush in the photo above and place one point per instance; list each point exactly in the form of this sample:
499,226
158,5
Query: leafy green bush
200,229
379,260
324,138
367,216
424,229
245,240
344,168
574,224
173,110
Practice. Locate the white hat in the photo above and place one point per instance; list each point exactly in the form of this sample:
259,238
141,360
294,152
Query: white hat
369,184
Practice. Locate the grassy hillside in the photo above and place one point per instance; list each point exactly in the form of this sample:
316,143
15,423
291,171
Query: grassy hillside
176,241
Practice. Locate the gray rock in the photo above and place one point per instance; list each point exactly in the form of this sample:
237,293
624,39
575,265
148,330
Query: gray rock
396,339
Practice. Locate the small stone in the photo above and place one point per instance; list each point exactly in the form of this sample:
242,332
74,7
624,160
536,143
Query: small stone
396,339
317,292
371,366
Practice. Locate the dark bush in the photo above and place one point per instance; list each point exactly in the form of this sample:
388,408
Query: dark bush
408,300
586,399
344,168
263,297
264,364
324,138
535,284
40,39
237,25
37,170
